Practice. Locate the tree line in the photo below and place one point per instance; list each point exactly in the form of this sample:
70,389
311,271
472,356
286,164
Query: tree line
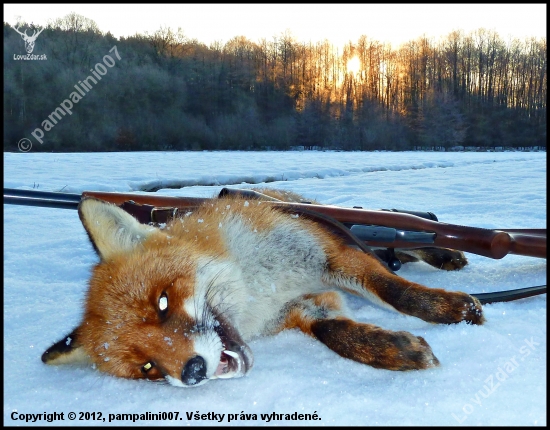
170,92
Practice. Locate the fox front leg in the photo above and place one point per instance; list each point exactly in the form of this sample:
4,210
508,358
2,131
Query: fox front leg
364,275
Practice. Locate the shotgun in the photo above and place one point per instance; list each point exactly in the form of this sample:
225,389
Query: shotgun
377,228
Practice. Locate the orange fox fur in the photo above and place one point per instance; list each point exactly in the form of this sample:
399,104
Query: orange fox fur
181,303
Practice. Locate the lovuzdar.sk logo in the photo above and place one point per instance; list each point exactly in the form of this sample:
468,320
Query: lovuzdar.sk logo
29,45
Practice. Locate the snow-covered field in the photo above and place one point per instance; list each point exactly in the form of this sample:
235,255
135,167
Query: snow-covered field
493,374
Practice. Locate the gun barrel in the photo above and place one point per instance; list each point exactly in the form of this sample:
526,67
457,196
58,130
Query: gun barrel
35,194
46,202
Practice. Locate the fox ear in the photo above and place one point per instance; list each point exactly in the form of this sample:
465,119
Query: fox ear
111,230
67,351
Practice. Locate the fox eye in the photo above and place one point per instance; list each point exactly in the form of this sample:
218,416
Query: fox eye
163,302
146,367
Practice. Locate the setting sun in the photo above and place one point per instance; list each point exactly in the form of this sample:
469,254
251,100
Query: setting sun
354,65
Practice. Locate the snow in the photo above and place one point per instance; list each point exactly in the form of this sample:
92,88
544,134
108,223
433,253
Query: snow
493,374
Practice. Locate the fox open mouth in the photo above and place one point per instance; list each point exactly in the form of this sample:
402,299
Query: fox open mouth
236,357
231,365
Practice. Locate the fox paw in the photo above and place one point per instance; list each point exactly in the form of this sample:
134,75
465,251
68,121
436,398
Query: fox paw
409,352
465,308
451,260
472,311
440,258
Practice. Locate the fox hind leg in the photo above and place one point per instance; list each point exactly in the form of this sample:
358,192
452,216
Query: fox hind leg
320,316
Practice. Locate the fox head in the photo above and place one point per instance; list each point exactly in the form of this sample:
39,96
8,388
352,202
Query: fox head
154,309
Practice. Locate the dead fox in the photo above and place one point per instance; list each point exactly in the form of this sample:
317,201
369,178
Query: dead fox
181,303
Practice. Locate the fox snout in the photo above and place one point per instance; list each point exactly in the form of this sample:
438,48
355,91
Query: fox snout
233,363
194,371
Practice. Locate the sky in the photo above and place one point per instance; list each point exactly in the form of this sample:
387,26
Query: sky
339,23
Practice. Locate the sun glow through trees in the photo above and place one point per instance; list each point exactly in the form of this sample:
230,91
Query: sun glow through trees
353,65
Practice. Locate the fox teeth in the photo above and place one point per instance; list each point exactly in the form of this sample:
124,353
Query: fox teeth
230,353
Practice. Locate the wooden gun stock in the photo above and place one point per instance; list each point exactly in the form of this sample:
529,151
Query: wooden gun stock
489,243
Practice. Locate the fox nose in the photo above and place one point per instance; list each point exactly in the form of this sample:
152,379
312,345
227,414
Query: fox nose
194,371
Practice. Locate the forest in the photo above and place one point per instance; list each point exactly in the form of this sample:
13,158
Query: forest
81,89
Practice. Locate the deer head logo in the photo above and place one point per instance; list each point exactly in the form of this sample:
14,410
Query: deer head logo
29,40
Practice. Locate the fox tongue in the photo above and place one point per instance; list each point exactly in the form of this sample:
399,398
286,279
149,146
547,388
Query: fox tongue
228,359
222,368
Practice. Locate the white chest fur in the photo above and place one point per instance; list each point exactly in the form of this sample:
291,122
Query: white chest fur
261,272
